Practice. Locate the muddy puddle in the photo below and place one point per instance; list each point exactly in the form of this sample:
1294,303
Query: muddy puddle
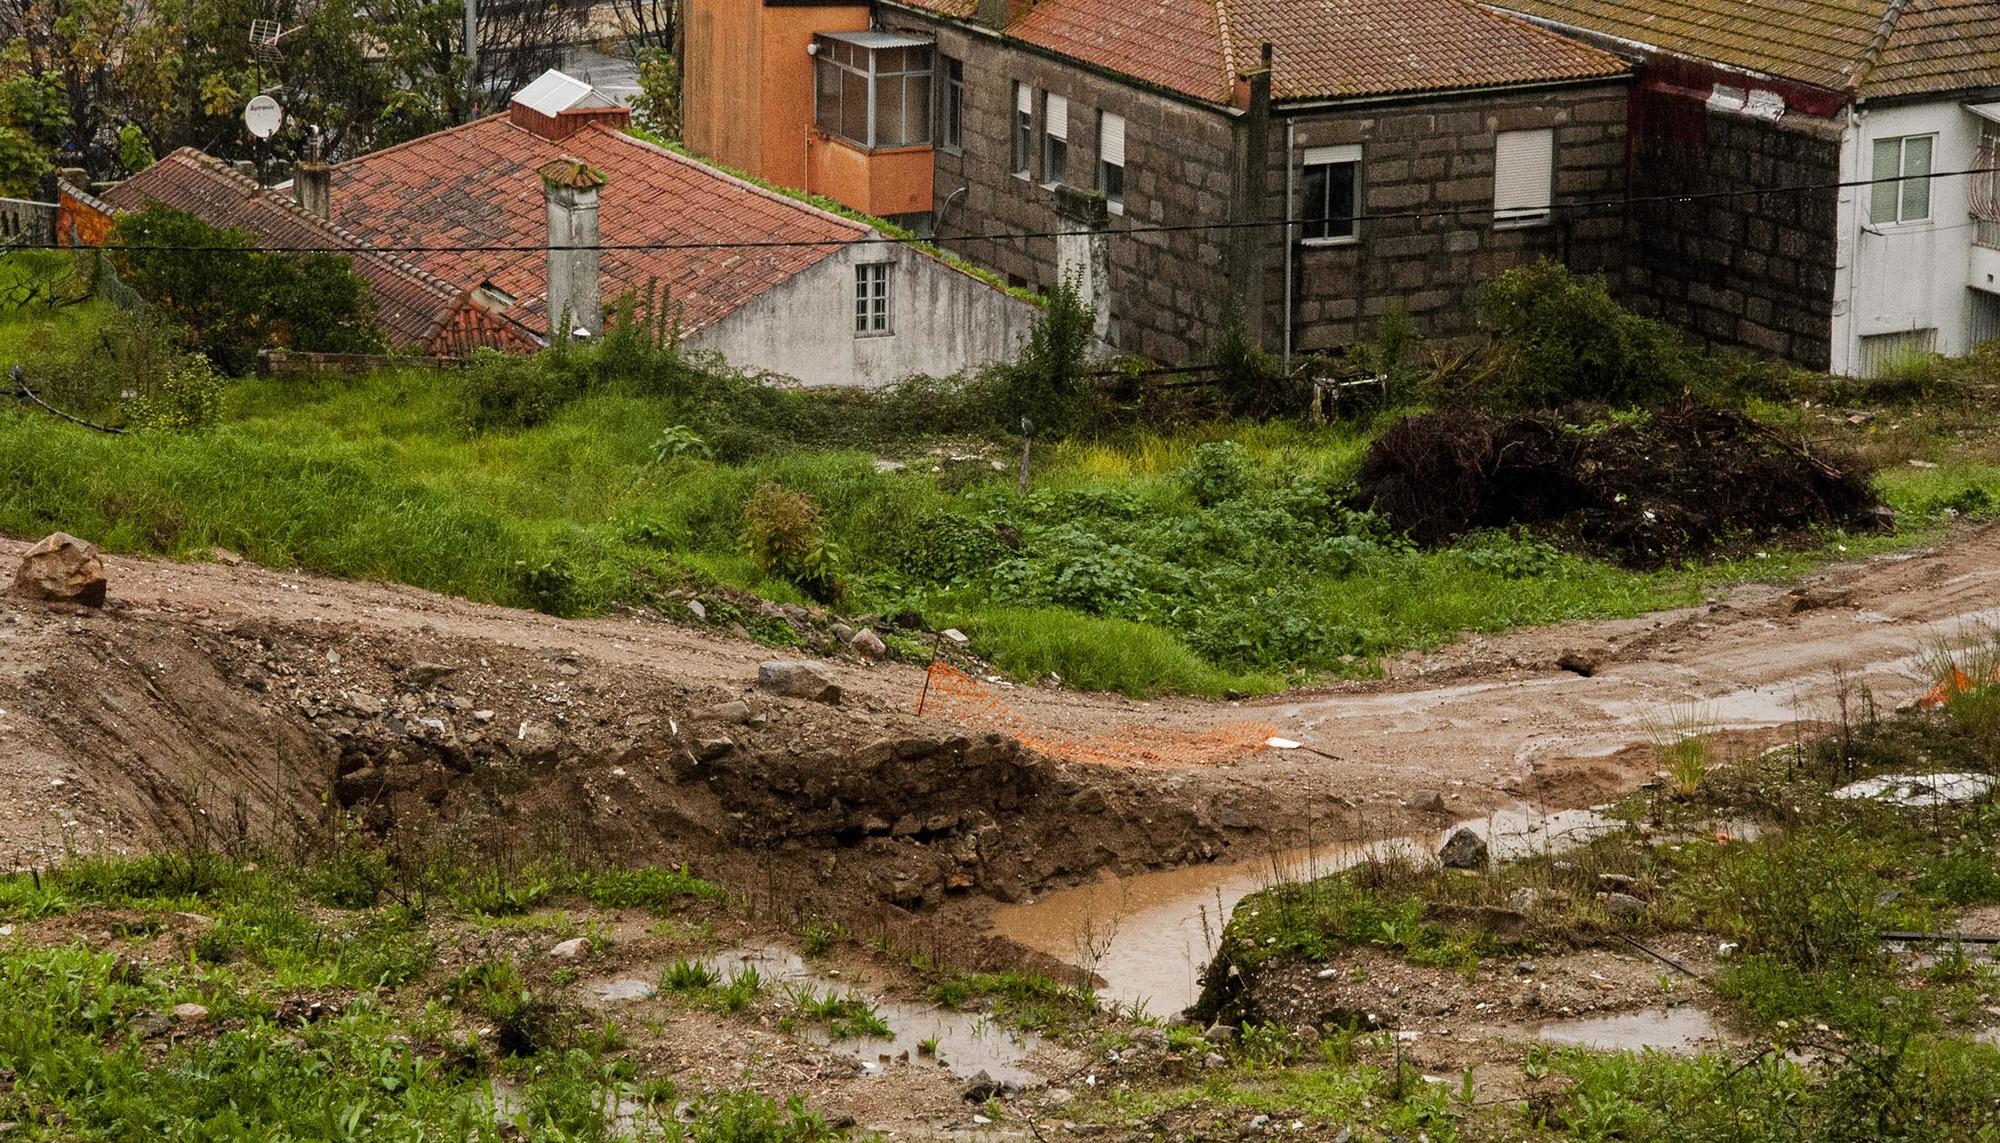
1148,936
965,1043
1683,1030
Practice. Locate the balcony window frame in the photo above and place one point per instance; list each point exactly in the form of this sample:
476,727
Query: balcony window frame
847,62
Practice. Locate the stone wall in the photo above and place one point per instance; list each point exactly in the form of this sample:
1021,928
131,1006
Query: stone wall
1427,182
1735,269
1168,289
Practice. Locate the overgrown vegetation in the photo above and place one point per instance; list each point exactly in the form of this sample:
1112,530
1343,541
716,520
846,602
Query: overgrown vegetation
231,300
226,1004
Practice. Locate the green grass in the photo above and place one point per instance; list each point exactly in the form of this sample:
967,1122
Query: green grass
1214,560
91,1050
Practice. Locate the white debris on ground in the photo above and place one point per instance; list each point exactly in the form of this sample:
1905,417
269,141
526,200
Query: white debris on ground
1919,790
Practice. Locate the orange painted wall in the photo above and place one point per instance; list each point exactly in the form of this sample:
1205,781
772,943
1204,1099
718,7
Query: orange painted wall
788,83
882,182
92,227
747,97
721,98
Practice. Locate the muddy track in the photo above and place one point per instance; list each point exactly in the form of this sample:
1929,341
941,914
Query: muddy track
215,701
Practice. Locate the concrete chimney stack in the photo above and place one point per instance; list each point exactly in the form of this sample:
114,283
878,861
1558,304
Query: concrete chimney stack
312,187
571,186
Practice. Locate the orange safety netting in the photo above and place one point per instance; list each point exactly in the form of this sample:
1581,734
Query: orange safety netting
951,693
1946,690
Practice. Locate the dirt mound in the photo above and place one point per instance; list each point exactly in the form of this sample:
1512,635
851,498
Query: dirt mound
1687,480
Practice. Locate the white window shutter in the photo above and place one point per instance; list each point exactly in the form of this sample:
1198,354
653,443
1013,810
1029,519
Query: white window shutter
1024,99
1320,156
1524,164
1111,139
1058,116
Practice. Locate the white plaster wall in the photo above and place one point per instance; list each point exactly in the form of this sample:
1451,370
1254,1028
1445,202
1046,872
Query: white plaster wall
1892,278
944,322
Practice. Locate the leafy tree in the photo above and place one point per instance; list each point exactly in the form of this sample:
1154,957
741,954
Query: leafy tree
1048,384
234,300
658,107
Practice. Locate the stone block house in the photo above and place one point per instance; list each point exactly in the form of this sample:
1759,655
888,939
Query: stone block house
1811,181
1312,163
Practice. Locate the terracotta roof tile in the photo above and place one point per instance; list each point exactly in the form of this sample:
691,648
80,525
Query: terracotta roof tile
1931,45
477,185
1321,48
410,305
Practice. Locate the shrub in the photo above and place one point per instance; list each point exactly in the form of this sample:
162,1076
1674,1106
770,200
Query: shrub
1047,385
1220,470
787,538
1560,338
1252,380
186,398
234,300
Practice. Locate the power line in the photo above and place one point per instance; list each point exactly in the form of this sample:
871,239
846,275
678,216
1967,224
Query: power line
1026,235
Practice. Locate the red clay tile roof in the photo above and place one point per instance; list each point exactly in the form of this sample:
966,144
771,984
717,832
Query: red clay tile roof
410,305
1322,49
1871,47
477,185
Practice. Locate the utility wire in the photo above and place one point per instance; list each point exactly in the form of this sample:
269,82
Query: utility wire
1024,235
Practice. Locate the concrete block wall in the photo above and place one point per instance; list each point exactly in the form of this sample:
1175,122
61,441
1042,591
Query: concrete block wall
1431,164
1739,270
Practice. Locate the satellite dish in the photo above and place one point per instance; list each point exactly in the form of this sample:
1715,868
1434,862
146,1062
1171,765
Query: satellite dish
263,116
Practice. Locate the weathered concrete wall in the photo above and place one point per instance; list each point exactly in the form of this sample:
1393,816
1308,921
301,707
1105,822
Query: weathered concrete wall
1735,269
1427,176
943,320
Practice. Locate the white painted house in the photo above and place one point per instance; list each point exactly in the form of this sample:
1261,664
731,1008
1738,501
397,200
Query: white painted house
1848,132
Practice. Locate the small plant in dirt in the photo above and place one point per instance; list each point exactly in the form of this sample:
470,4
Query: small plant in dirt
653,887
819,937
787,538
843,1016
689,976
1684,739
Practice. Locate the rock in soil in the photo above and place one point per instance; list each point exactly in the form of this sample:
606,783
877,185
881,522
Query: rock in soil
869,644
798,678
1624,906
62,569
1427,801
1463,850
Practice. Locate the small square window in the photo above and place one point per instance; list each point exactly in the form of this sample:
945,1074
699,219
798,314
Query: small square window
871,299
1524,171
1902,179
1331,185
1055,139
1111,159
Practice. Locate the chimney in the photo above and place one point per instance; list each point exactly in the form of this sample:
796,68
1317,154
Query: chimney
312,187
571,185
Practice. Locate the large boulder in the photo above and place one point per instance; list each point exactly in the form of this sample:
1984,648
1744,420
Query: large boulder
798,678
62,569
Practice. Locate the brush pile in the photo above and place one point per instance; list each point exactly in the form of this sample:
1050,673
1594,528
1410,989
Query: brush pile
1686,481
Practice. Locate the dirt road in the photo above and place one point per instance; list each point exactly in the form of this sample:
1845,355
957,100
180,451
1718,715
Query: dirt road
207,691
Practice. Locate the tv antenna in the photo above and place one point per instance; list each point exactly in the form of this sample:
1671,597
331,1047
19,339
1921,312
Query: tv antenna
265,39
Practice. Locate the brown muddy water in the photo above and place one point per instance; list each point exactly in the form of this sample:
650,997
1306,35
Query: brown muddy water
1148,936
1684,1029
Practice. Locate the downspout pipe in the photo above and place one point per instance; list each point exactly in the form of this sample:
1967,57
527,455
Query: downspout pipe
1291,244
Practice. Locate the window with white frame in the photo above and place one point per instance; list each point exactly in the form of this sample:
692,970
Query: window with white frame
871,299
1111,159
1024,128
1055,138
1902,179
872,89
1331,190
951,133
1524,172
